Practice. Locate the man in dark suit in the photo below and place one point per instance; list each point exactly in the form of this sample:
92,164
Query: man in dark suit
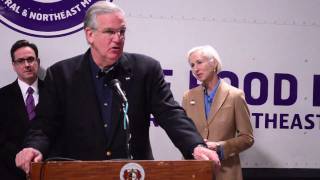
84,117
15,116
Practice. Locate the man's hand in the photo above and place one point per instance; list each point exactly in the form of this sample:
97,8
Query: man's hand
203,153
26,156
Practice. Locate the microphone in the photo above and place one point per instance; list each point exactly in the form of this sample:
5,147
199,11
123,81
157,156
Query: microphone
115,84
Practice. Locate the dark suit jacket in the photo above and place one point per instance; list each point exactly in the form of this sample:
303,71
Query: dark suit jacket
14,124
72,121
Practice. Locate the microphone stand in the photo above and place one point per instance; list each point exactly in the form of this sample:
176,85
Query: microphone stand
126,127
115,84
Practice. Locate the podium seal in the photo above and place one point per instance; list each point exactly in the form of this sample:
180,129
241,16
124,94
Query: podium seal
132,171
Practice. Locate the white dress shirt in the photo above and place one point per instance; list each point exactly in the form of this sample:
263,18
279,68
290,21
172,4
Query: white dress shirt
24,87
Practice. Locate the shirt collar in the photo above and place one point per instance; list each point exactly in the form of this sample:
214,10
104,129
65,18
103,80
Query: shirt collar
213,92
24,86
96,71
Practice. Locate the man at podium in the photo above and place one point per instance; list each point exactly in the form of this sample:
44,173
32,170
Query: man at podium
89,99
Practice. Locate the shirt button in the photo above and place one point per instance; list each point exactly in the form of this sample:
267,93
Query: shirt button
108,153
105,104
105,125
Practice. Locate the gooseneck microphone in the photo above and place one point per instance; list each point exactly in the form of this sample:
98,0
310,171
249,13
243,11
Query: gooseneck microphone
110,74
115,84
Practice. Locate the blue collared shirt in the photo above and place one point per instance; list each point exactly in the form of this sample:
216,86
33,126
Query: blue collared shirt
208,99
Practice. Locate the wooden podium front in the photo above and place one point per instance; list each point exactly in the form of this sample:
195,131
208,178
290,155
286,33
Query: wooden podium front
127,169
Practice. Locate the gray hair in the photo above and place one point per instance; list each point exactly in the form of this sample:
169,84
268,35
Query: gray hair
208,52
100,7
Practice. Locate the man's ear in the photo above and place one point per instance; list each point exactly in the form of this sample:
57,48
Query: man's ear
89,34
14,67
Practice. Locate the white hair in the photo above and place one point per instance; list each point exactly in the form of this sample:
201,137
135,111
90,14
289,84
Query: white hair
208,52
99,7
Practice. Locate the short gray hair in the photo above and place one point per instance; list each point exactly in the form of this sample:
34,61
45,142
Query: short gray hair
208,52
100,7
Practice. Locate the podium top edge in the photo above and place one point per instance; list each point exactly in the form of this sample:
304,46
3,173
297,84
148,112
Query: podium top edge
121,160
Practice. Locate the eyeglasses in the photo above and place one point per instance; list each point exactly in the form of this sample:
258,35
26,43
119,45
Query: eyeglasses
30,60
112,32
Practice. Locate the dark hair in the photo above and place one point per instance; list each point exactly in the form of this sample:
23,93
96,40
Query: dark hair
20,44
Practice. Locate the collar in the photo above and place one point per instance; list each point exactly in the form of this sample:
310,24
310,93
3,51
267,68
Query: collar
24,86
211,94
118,70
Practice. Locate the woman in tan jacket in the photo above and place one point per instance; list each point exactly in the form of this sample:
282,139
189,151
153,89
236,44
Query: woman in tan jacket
219,112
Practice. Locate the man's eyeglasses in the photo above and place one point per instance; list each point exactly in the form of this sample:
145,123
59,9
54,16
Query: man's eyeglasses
112,32
30,60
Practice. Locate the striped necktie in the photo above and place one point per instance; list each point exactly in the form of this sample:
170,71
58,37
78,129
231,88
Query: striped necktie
30,104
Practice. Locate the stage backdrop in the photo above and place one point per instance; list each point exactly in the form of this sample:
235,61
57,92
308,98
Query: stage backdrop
270,49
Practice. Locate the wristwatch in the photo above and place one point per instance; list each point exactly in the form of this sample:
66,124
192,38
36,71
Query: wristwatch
219,149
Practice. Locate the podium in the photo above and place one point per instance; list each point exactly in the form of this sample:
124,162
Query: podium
123,170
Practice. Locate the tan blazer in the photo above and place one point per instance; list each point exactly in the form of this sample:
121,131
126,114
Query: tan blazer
228,123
